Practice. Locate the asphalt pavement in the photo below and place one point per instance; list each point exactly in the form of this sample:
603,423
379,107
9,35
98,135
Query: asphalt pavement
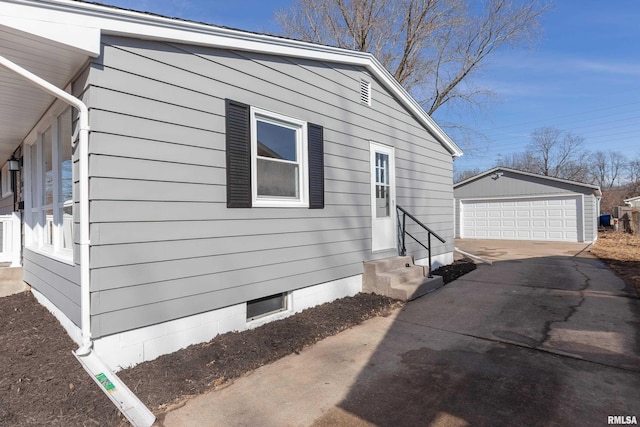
546,335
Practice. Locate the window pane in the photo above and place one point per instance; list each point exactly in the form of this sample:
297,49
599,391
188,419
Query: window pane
35,202
277,179
48,227
276,141
47,159
267,305
66,165
67,226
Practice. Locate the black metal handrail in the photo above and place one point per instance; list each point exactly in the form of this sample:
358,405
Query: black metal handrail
402,231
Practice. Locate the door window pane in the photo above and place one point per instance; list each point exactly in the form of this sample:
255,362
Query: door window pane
382,186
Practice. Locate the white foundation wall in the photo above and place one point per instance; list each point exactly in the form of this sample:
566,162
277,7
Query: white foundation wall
72,329
130,348
436,261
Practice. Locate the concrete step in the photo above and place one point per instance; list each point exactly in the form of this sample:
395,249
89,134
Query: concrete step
11,273
388,264
402,274
416,288
399,278
11,281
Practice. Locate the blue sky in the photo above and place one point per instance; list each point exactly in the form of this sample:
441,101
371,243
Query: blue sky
582,76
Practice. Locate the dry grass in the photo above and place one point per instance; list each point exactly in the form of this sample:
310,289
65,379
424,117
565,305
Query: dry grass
621,251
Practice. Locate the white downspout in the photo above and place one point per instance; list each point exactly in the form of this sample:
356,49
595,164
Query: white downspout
83,197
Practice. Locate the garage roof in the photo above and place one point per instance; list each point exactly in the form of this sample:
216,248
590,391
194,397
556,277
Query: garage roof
499,169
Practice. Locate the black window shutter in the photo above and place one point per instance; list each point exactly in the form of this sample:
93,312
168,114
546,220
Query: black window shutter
315,139
238,147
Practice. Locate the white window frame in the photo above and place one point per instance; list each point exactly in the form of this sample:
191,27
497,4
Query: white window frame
35,220
300,128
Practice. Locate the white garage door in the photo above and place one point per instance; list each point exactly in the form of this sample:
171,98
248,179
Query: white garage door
522,219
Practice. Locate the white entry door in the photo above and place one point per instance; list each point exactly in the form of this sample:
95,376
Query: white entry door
383,197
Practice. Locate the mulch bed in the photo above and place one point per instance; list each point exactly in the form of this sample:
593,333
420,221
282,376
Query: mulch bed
41,382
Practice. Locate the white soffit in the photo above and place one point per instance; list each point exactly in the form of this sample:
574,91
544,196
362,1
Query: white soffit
51,25
22,104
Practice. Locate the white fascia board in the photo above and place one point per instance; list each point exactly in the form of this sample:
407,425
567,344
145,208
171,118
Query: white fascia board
51,25
146,26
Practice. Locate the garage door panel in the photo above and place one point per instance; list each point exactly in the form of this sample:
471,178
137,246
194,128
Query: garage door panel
524,219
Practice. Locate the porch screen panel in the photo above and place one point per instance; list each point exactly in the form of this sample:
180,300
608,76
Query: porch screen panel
65,179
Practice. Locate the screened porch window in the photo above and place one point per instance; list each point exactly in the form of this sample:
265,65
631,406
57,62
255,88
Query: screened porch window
51,187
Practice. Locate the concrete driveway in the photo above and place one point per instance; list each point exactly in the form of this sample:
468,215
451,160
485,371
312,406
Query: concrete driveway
547,335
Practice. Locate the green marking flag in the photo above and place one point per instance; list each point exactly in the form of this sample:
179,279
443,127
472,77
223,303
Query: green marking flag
108,385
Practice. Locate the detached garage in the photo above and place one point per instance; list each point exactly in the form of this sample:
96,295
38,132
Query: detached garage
508,204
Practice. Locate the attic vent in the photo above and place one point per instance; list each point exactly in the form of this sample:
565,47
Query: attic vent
365,92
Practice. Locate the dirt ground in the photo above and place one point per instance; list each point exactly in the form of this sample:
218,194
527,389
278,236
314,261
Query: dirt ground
41,382
621,252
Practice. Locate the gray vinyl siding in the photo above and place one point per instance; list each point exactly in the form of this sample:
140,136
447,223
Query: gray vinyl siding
591,218
517,185
163,243
59,282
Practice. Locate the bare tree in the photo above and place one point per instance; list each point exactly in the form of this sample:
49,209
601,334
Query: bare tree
559,154
633,176
607,168
524,161
460,176
430,46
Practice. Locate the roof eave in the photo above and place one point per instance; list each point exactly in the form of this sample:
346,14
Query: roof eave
123,22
